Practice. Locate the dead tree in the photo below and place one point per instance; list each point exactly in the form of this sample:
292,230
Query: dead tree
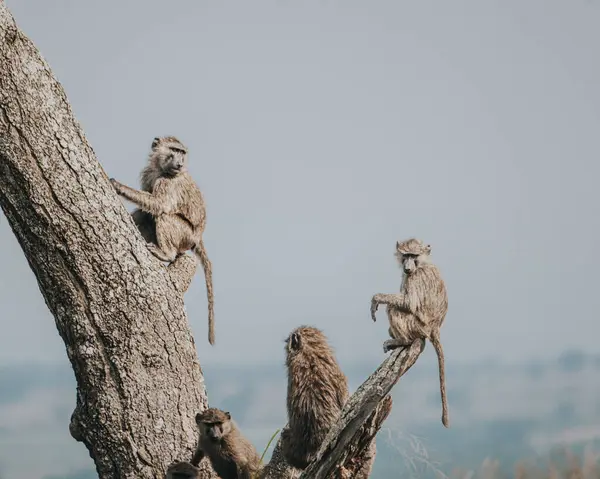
119,311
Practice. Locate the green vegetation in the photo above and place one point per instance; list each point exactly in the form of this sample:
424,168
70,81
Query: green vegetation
268,445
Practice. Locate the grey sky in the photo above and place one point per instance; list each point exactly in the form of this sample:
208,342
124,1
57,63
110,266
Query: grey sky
323,131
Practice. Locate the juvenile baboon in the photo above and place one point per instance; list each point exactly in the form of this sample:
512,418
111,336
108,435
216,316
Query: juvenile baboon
171,213
317,391
419,310
232,456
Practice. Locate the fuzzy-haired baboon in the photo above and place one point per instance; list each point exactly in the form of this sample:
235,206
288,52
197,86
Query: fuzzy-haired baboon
232,456
419,310
317,391
171,213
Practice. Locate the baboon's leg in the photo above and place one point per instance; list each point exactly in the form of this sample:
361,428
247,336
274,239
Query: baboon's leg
166,232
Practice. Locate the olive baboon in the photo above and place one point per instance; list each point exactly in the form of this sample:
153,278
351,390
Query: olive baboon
171,213
232,456
317,392
419,310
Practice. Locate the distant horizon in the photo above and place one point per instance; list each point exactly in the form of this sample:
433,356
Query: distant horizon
547,359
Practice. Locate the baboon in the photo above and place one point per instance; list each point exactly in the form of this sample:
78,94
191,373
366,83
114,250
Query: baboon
171,213
317,391
419,310
232,456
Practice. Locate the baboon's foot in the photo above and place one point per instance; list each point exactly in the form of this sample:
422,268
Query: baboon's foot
160,254
391,344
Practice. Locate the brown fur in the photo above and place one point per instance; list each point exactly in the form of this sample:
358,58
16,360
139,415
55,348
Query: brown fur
317,392
232,456
419,310
171,214
182,470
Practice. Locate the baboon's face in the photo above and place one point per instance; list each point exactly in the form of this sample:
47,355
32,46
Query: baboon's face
171,159
214,428
410,263
412,254
303,338
293,343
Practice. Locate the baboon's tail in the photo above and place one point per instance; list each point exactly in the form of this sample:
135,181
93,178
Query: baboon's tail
207,266
437,344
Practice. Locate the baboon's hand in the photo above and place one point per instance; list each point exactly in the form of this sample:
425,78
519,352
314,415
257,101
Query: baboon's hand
374,305
116,185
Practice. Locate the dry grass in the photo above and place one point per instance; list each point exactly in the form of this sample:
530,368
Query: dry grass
571,466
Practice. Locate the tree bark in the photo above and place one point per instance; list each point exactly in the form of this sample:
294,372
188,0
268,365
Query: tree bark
119,311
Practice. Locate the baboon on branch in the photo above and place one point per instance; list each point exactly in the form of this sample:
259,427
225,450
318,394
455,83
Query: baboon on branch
171,214
419,310
317,392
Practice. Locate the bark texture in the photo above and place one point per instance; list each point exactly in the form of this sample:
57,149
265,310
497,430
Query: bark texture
118,309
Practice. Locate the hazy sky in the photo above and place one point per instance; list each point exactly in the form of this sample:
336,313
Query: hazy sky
323,131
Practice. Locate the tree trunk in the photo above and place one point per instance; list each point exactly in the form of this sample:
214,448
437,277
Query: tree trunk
119,310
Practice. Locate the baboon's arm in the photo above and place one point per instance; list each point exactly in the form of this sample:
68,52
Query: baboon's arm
156,203
197,457
397,299
394,299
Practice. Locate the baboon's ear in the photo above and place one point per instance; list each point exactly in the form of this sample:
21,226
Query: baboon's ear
198,418
397,244
295,340
155,142
227,414
428,248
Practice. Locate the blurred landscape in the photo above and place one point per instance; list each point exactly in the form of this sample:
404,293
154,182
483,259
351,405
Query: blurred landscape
500,414
312,125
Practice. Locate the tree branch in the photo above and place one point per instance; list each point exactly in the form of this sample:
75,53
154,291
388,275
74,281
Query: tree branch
358,459
119,311
359,407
